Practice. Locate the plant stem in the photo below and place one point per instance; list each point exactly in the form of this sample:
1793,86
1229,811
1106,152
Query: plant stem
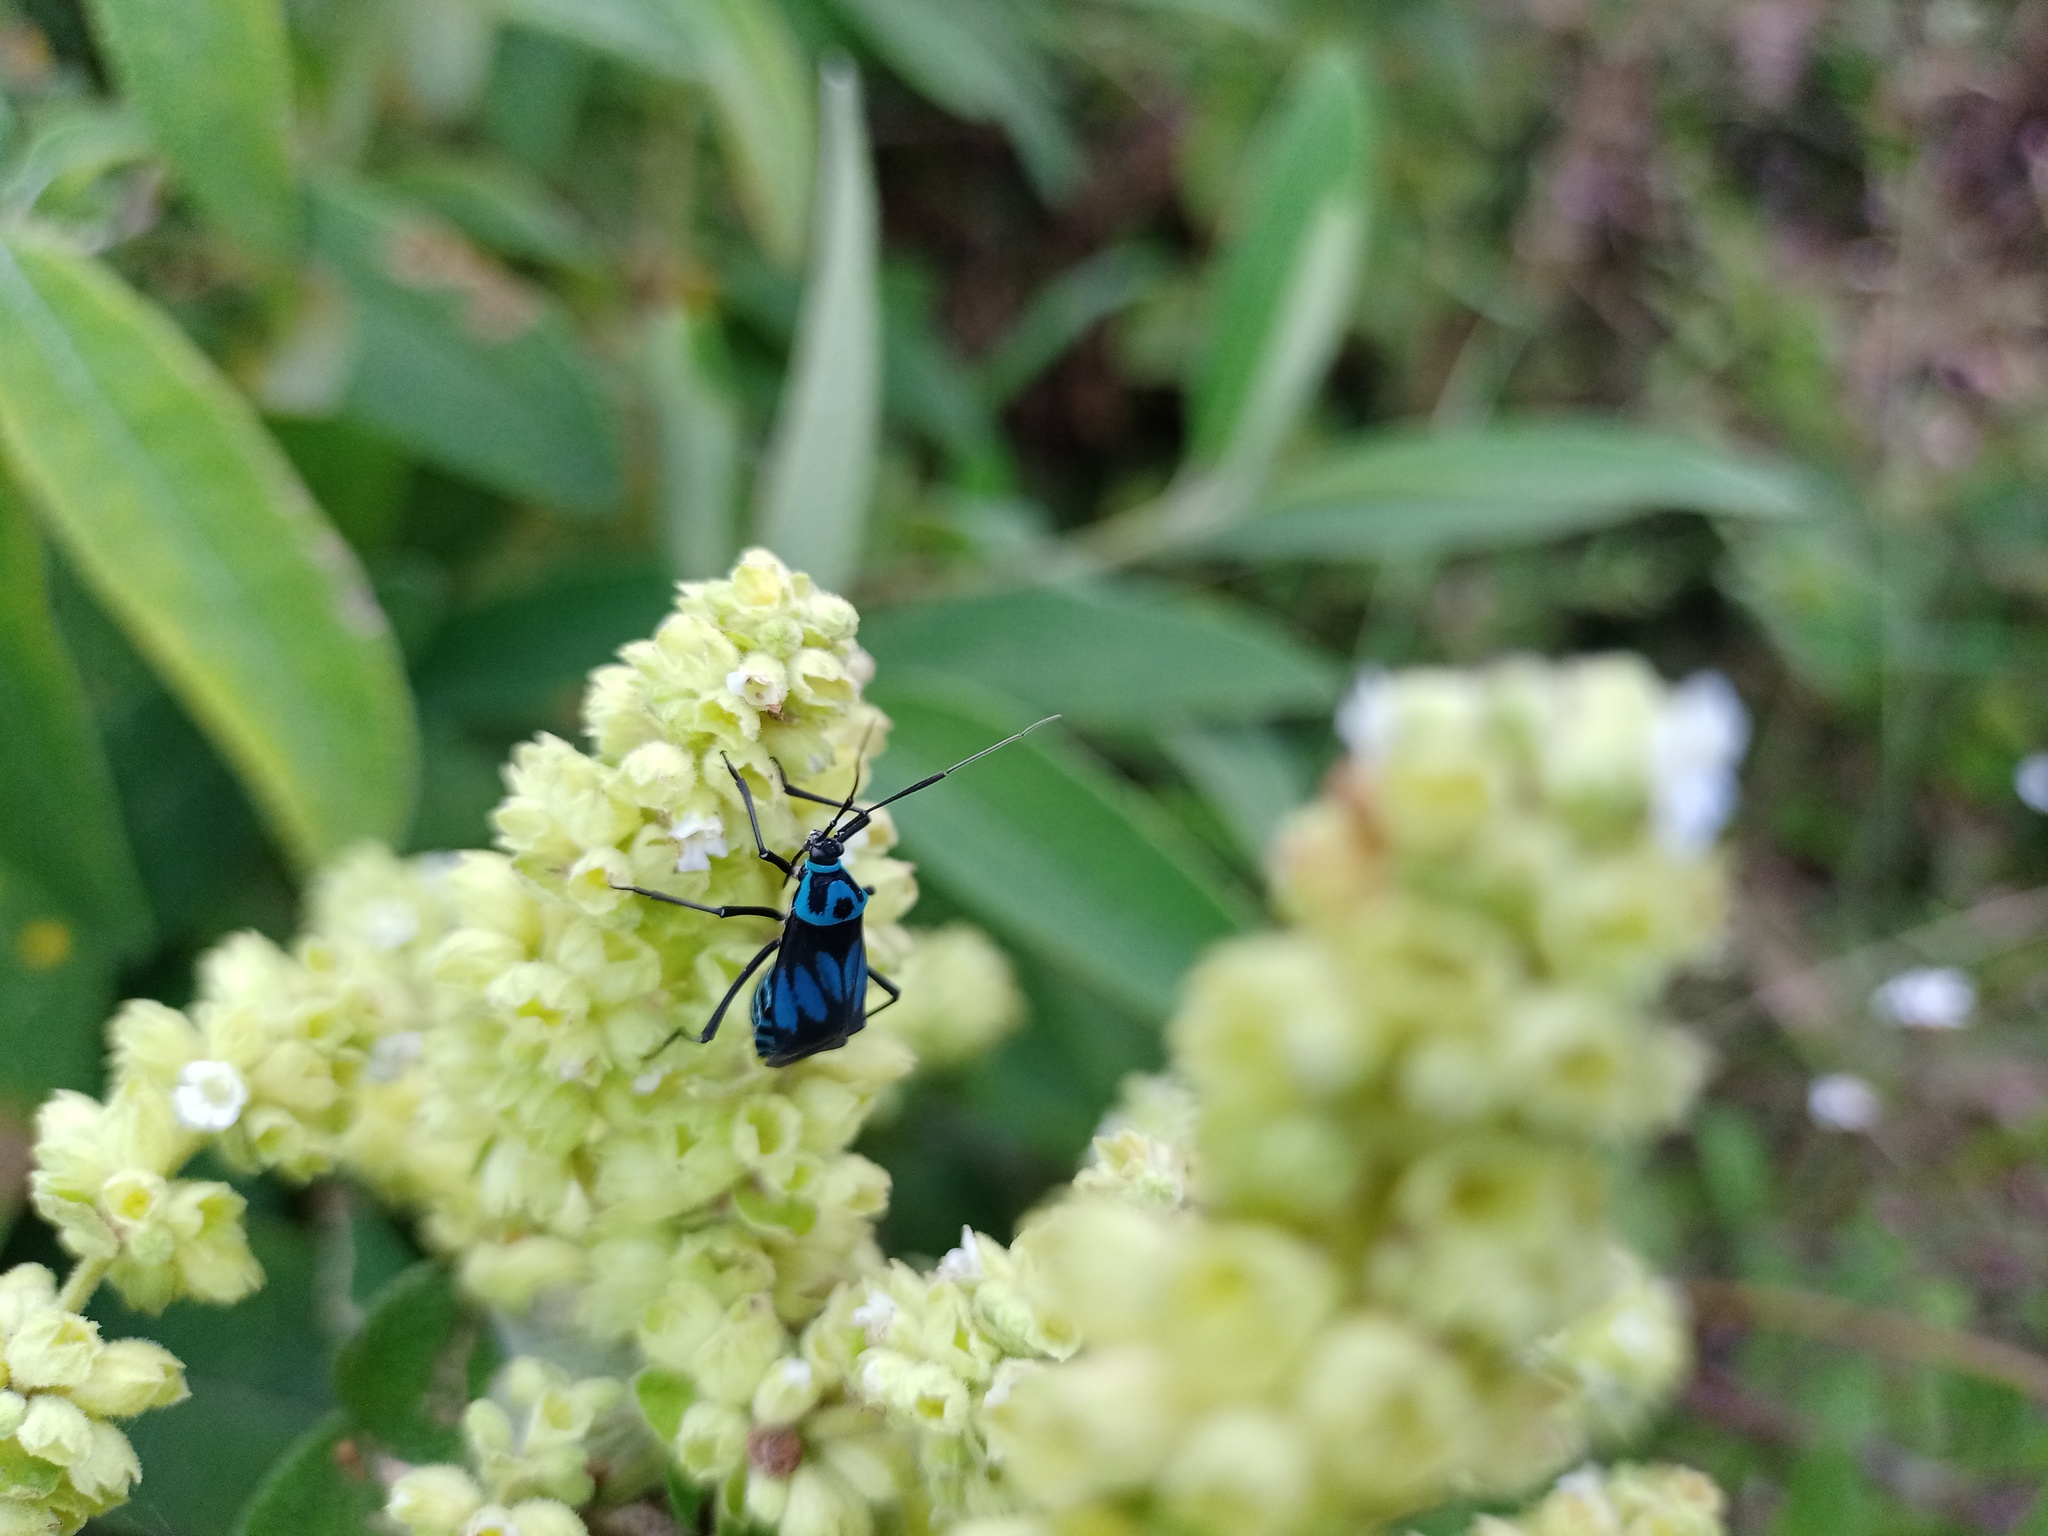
83,1280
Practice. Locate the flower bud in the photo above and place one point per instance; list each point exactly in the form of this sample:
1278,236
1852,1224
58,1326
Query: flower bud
434,1500
128,1377
55,1430
822,1504
52,1348
787,1392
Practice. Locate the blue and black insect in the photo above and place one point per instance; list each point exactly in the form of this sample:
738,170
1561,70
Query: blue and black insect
815,997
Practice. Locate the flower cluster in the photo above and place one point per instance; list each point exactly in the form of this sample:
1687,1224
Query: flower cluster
531,1446
1394,1280
1350,1256
1623,1501
61,1461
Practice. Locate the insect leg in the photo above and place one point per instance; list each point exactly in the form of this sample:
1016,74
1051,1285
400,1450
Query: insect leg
698,906
754,821
725,1002
800,794
895,992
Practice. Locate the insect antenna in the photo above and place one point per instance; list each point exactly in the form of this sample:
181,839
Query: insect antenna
853,788
860,821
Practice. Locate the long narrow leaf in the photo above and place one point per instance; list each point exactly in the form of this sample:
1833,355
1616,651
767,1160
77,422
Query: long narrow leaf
213,79
697,429
1120,654
63,820
751,64
463,363
1493,487
814,488
192,529
1063,313
1284,288
970,57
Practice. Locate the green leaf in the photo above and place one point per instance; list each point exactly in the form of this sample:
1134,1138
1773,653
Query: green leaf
1043,843
191,528
406,1375
697,431
819,473
519,659
1406,493
755,72
461,362
1115,653
63,819
663,1397
970,57
56,988
641,33
1063,312
742,54
322,1487
1249,775
500,207
1284,286
74,144
213,79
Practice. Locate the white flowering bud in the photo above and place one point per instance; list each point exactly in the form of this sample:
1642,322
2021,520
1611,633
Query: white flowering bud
52,1349
821,1503
128,1377
1100,1423
148,1040
1390,1414
434,1500
24,1289
1240,1470
546,1517
108,1470
55,1430
730,1363
511,1275
711,1441
13,1409
787,1392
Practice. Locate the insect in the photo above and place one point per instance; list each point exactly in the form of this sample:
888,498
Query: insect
815,997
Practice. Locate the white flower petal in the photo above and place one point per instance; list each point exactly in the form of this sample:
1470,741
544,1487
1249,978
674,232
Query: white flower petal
209,1096
1842,1101
1927,997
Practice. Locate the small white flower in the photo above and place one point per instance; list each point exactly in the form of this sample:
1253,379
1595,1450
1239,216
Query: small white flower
650,1080
1927,997
2030,782
209,1096
1842,1101
761,681
699,839
1699,737
391,924
1365,720
963,1264
875,1315
796,1373
860,666
392,1057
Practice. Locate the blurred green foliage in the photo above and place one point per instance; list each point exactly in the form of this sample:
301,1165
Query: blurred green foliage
368,369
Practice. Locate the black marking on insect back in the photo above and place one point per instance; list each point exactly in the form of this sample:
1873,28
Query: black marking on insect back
812,1000
828,896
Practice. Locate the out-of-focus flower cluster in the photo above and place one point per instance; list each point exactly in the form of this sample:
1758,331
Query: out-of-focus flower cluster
1393,1280
1623,1501
61,1459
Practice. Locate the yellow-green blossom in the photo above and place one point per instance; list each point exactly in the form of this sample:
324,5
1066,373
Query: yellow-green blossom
1622,1501
61,1461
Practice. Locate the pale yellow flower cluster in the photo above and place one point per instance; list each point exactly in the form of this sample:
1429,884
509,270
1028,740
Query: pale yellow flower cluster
61,1461
1622,1501
531,1446
494,1042
1392,1280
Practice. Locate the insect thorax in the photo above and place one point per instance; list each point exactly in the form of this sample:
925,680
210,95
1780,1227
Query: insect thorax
827,894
